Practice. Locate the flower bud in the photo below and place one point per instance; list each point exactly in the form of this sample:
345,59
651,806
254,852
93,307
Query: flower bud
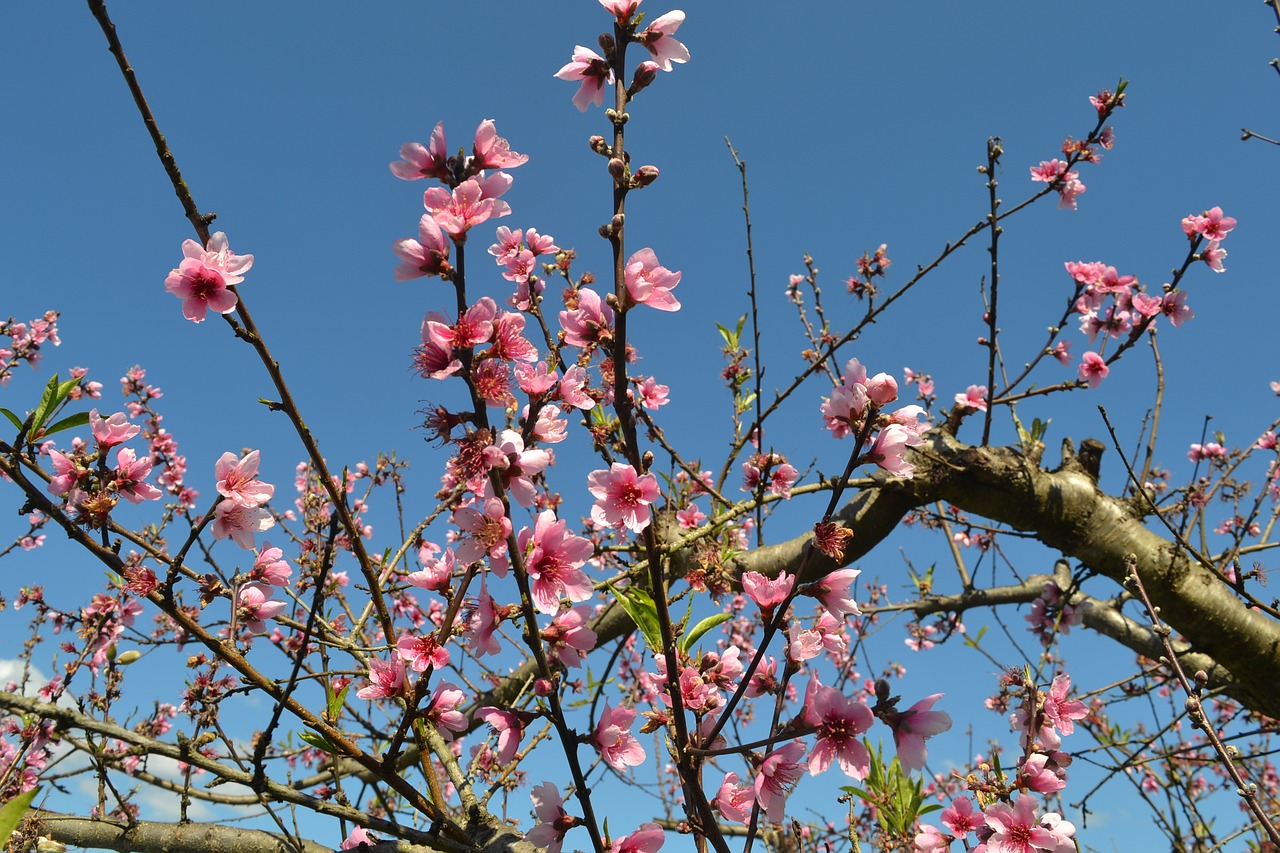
600,146
617,168
646,73
126,658
543,687
644,176
882,389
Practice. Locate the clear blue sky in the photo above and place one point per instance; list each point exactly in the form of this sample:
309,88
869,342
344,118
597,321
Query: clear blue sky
861,124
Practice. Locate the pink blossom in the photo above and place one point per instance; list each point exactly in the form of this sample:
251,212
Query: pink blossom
536,379
734,800
553,558
621,9
550,427
1015,828
765,592
421,652
254,606
109,432
929,839
130,473
589,322
204,276
656,38
960,819
359,835
690,517
974,397
777,775
426,256
841,721
573,388
622,497
652,395
236,480
1213,256
492,151
568,636
647,839
649,283
591,68
462,209
488,534
890,448
386,679
913,727
516,465
240,522
1174,306
1211,224
1048,171
1212,450
443,710
1037,773
419,162
67,473
843,410
435,573
834,593
1093,369
613,737
802,645
1059,711
483,622
269,567
554,821
508,726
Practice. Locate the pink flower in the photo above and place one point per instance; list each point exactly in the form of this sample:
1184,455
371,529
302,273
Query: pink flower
236,480
553,558
622,497
421,162
591,68
1015,828
254,606
734,800
652,395
1048,171
201,281
465,207
67,473
1093,369
130,472
1174,306
621,9
516,465
767,593
649,283
422,652
690,518
268,566
882,389
240,522
913,727
589,322
435,573
426,256
657,39
508,726
573,388
647,839
960,819
482,624
778,774
554,821
613,737
974,397
890,448
359,835
841,721
568,636
109,432
386,679
492,151
1213,256
489,531
1059,711
443,710
1211,224
833,592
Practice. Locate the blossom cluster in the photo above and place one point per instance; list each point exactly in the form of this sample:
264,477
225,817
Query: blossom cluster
854,408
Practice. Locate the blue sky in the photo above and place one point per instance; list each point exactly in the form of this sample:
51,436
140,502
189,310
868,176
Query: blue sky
861,124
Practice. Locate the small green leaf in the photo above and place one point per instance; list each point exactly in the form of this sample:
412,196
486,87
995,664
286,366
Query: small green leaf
12,813
730,339
79,419
337,700
13,419
46,403
697,631
643,612
319,742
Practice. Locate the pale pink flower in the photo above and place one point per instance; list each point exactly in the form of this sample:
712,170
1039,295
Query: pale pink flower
550,428
1059,711
426,256
536,379
109,432
734,800
236,480
843,410
974,397
960,819
573,388
568,636
386,679
841,721
204,276
647,839
882,389
591,68
622,497
270,567
621,9
488,534
482,624
1211,224
419,162
1041,775
1213,256
240,522
492,151
590,322
765,592
554,821
913,727
516,465
833,591
613,737
802,645
690,518
359,835
509,342
67,473
435,572
130,474
421,652
649,283
782,479
778,774
443,710
651,394
553,558
1048,171
890,448
1174,306
508,726
464,208
1093,369
1015,828
254,606
656,38
929,839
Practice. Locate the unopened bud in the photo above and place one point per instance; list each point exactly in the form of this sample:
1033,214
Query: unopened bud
646,73
45,844
644,176
128,657
617,168
600,146
543,687
607,44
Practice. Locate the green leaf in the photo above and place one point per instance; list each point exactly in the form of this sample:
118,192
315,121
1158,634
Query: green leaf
13,419
79,419
697,631
319,742
12,813
1039,428
337,700
46,403
640,607
730,339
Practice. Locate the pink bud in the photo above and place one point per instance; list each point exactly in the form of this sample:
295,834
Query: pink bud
882,388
